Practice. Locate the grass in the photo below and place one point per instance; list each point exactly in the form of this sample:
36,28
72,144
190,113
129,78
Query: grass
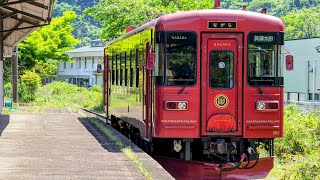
125,149
297,153
62,94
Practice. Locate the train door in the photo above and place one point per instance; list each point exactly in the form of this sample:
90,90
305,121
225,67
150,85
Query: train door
221,88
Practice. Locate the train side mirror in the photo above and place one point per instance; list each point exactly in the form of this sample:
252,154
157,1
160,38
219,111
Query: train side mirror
99,68
318,48
151,60
289,62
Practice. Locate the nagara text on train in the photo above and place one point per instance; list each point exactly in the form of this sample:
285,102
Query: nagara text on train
201,91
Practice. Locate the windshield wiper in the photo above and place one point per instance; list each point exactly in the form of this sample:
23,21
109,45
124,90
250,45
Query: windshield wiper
258,87
186,84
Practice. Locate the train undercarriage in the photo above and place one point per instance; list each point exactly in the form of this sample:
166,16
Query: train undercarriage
211,157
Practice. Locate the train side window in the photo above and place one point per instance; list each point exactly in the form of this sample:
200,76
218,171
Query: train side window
221,69
137,67
133,65
117,69
131,69
113,69
126,69
121,69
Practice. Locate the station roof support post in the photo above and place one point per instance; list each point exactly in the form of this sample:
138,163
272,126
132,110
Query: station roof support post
1,67
14,65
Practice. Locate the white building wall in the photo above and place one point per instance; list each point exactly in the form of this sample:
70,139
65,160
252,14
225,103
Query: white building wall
83,68
300,83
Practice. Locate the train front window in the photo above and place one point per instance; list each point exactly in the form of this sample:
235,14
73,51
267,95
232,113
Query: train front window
264,62
221,69
176,60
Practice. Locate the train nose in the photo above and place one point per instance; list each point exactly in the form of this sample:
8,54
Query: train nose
221,123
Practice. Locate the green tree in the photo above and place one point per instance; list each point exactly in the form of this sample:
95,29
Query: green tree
258,4
303,23
115,16
47,45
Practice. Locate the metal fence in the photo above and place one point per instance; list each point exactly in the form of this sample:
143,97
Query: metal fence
305,105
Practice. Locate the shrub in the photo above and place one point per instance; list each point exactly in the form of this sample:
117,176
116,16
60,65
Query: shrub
297,153
28,85
301,133
62,94
96,88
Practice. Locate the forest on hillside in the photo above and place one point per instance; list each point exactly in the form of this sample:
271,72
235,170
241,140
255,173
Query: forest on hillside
107,19
85,28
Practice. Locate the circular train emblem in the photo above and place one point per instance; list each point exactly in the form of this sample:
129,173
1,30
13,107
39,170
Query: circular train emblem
221,101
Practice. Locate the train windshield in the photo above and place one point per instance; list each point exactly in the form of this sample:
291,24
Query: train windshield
265,65
177,57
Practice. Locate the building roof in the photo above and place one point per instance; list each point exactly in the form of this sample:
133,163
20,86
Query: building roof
86,49
96,49
20,18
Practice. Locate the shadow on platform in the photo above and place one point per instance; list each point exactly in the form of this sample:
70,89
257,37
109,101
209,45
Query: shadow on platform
4,121
104,141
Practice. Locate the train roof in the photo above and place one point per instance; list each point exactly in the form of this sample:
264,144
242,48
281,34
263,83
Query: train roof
210,14
223,13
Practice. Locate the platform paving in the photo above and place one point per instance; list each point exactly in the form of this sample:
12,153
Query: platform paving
60,144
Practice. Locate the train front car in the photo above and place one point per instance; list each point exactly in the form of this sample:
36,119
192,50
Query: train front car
218,93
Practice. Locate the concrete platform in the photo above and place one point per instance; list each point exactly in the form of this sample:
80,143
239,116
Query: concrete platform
60,144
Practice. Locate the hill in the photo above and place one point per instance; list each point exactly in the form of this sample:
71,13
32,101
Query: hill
86,29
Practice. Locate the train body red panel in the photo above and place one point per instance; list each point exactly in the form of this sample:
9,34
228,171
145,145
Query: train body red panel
200,86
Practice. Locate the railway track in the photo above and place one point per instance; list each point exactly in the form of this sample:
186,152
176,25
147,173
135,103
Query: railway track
99,116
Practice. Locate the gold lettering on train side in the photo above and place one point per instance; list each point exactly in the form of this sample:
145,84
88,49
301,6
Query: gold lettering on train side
223,120
221,44
263,121
276,133
179,37
178,121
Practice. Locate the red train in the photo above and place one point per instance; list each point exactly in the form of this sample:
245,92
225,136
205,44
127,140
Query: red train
202,91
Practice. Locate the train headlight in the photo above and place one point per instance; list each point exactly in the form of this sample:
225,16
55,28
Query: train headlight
261,106
182,105
267,105
176,105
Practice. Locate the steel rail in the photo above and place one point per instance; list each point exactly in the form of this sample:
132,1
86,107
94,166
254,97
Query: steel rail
95,113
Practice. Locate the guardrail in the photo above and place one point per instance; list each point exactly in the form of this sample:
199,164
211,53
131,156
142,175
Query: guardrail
306,105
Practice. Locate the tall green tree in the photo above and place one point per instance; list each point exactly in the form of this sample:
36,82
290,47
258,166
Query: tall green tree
46,46
116,15
303,23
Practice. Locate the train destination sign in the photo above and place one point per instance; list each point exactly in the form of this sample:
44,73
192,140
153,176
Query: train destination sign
222,25
264,39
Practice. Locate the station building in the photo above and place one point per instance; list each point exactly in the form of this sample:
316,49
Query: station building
83,70
303,83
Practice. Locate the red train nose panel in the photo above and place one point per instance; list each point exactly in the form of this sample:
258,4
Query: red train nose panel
222,123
